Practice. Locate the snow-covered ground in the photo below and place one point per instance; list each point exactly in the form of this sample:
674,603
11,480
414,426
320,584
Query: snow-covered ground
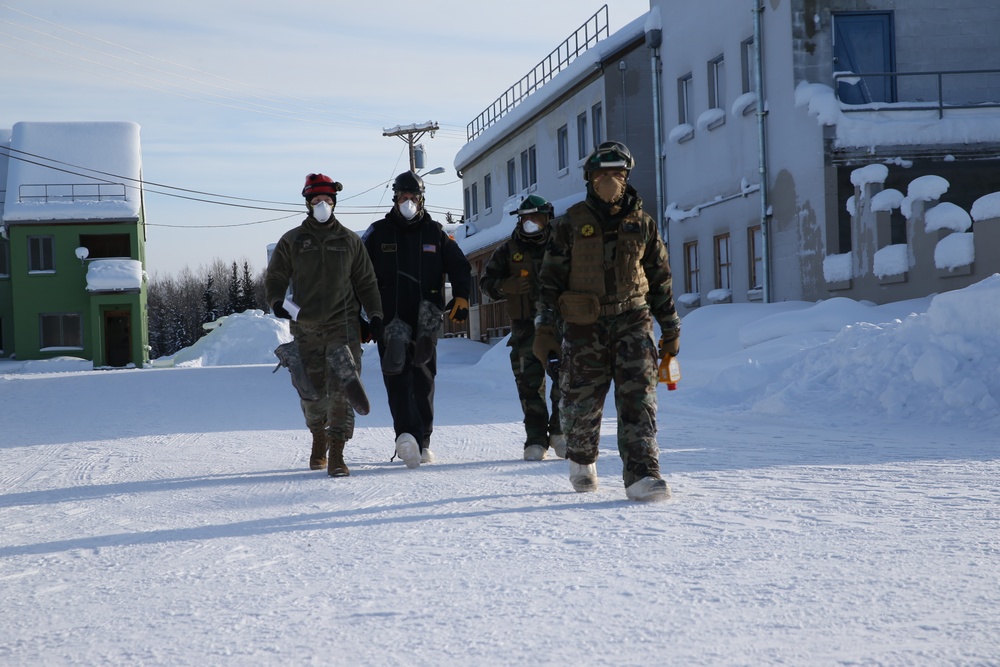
834,468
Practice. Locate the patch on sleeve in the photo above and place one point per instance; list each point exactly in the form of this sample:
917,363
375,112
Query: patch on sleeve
388,247
430,247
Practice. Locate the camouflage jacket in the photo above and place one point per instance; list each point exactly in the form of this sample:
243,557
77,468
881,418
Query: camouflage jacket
652,288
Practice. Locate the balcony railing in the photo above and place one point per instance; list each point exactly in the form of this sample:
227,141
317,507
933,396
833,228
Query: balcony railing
70,192
585,36
918,91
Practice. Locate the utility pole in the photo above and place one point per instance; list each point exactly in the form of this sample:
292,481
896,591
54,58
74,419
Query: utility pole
411,134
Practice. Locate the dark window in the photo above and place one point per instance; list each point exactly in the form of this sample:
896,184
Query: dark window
61,330
562,141
581,136
474,198
755,245
684,85
511,178
487,192
40,253
723,262
691,271
106,245
597,120
4,258
863,42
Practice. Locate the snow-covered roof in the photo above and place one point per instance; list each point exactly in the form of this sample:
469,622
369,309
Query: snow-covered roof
73,171
577,70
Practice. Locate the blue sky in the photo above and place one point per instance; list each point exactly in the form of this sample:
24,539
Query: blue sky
243,99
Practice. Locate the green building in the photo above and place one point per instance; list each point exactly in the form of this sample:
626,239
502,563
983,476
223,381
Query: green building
72,252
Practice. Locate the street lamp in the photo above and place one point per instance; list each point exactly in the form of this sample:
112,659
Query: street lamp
432,172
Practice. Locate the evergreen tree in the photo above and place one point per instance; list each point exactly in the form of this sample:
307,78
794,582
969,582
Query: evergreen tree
234,301
209,312
247,300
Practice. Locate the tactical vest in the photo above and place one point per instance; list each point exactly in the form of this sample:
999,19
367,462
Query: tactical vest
521,306
589,273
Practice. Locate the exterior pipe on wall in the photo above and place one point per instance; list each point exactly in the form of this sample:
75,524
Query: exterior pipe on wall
765,235
653,39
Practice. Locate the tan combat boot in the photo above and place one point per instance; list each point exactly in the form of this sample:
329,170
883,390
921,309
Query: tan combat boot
317,460
337,467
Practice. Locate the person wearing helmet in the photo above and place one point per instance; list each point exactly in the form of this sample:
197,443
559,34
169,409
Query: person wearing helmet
512,275
412,254
605,278
322,268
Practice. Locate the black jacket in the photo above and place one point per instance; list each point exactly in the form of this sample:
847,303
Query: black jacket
411,259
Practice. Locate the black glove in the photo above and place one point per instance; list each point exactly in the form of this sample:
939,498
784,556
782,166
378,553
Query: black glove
279,311
376,328
458,309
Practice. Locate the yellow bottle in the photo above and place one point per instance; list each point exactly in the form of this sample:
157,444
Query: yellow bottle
670,372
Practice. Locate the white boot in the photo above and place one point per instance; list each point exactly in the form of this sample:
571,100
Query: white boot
427,456
534,453
648,489
583,477
558,444
408,450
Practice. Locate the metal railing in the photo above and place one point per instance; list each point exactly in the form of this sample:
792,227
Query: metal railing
920,96
585,36
48,192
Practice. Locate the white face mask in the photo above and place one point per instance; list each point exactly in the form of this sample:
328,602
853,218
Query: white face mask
531,227
409,209
322,211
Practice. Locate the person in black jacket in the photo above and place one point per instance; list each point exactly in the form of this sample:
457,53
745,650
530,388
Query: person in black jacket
411,254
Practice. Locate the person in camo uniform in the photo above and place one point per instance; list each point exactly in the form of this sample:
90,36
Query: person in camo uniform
606,276
512,274
330,276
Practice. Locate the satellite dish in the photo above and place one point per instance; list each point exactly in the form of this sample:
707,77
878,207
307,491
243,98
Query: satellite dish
82,253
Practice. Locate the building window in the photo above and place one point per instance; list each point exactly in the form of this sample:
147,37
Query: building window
4,258
511,178
487,192
474,198
562,142
40,254
723,262
107,246
581,136
717,82
684,85
597,120
529,174
61,330
755,247
468,205
749,76
691,275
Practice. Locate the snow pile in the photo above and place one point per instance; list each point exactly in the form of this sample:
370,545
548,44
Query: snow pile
240,339
938,366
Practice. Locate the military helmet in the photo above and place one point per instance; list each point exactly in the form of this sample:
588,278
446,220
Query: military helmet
408,182
534,204
609,155
320,184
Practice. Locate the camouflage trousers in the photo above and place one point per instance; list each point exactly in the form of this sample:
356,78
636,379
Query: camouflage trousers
529,377
619,349
332,411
